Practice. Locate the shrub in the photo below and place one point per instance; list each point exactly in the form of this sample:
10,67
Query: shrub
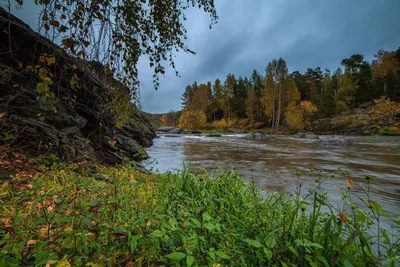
222,124
294,119
192,119
384,110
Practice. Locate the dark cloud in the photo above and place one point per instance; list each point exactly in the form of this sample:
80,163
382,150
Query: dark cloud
249,34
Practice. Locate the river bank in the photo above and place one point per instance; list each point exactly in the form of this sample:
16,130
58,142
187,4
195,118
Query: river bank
89,215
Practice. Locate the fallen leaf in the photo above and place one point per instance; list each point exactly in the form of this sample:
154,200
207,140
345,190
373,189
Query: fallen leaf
31,242
2,114
343,217
349,181
68,229
7,222
129,264
50,208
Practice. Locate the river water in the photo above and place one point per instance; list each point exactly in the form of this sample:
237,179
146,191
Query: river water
274,163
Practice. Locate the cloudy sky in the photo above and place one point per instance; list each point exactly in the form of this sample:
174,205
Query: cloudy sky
250,33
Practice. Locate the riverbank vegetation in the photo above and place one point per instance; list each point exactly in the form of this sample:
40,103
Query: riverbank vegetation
87,215
279,99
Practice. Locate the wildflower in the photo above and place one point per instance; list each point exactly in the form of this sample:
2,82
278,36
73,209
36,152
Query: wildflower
148,223
349,182
343,217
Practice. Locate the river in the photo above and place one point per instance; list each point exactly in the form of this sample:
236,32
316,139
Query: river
273,163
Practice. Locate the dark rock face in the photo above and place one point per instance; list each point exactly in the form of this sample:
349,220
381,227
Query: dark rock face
78,122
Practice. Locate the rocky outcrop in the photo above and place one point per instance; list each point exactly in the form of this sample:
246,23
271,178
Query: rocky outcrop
77,122
358,122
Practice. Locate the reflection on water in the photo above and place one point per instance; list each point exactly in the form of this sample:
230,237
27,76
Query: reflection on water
273,162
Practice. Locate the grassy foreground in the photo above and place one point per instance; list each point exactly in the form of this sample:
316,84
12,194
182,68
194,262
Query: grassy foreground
85,216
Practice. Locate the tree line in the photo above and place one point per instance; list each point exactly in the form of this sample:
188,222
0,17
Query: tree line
278,98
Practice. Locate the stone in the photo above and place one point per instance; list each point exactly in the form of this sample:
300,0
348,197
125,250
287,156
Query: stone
311,136
213,135
175,131
191,132
299,135
259,136
170,130
333,141
235,131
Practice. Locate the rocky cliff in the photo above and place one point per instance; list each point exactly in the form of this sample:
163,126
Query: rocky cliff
76,120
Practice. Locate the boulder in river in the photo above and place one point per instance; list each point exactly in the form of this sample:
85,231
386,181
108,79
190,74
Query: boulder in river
333,141
299,135
169,130
235,131
311,136
259,136
213,135
306,136
191,132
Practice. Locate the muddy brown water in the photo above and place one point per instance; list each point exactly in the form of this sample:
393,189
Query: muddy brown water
274,163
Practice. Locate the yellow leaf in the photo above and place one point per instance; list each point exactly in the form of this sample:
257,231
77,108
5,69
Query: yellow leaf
51,60
64,262
31,242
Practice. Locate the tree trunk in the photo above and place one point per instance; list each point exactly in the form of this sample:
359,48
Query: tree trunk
279,107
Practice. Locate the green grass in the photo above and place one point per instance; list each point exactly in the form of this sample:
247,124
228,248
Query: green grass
121,217
390,131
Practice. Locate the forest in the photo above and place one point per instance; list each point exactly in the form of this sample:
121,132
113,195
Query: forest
75,186
293,100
